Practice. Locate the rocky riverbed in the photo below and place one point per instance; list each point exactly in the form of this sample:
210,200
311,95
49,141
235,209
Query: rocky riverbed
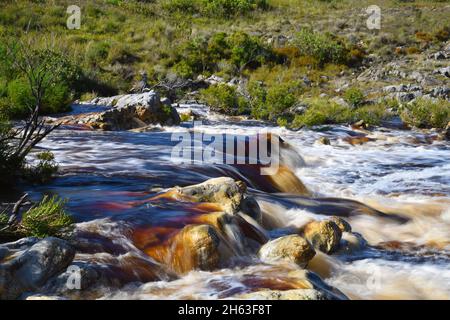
339,220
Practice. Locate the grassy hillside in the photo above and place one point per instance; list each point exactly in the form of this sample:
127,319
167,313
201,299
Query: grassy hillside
275,45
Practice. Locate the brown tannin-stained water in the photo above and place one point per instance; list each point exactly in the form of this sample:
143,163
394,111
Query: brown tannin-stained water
393,190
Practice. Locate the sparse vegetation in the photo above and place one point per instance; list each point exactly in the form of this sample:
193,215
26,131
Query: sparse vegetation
425,113
354,97
225,98
48,218
323,111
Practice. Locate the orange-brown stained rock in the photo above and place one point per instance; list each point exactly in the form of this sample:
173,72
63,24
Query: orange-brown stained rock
286,181
145,237
357,140
323,235
194,247
225,192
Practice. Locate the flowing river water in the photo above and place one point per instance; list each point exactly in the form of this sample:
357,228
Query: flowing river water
108,177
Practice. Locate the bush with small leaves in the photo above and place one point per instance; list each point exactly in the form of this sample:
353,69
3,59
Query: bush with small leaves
426,113
354,97
321,47
224,98
45,169
48,218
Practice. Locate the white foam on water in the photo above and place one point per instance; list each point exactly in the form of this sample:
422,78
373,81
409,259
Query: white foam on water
383,279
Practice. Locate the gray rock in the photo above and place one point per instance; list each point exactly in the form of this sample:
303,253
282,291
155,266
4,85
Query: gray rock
444,71
133,111
224,191
429,81
441,93
440,55
29,269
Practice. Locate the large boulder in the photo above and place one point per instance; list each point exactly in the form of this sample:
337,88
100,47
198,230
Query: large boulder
29,269
323,235
128,112
292,248
194,247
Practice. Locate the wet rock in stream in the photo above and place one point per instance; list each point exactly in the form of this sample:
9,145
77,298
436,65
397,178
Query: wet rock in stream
323,235
292,248
194,247
30,263
127,112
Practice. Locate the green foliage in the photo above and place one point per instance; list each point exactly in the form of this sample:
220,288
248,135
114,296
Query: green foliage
323,111
321,47
205,56
46,219
96,52
36,73
45,169
269,103
3,219
372,114
20,98
224,98
57,98
354,97
247,51
217,8
426,113
228,8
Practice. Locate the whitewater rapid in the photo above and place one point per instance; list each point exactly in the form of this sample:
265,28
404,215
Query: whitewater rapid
399,172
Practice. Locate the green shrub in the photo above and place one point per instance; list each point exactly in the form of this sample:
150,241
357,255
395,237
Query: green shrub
185,6
247,51
426,113
48,218
205,56
20,97
224,98
228,8
321,47
96,52
3,219
354,97
57,98
214,8
269,103
45,169
372,114
322,111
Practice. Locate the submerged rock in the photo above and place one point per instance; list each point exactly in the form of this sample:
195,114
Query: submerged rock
351,242
250,207
324,140
306,285
29,269
323,235
194,247
292,248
